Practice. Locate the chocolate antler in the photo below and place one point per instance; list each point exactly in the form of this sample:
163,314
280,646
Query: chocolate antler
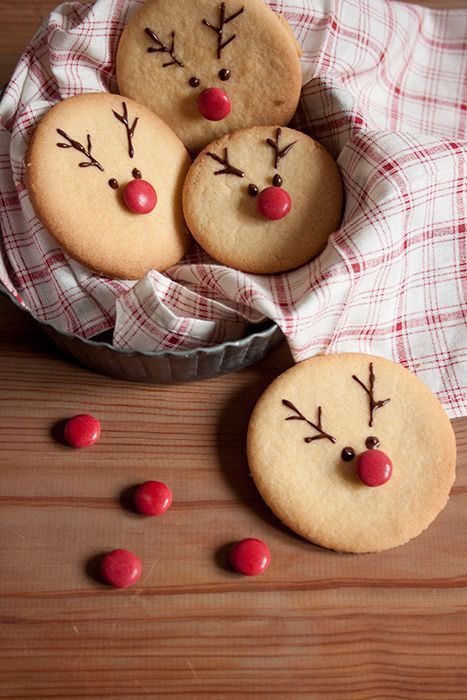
130,130
79,147
275,145
373,403
322,435
229,169
220,29
163,48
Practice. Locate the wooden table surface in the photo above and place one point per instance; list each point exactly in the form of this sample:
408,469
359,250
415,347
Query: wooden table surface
316,625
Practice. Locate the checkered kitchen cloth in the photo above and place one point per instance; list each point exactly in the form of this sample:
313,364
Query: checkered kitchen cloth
385,92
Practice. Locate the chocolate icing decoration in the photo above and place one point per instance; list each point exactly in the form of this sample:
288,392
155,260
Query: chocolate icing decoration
163,48
194,82
348,454
277,180
275,145
113,183
130,130
136,174
79,147
373,403
223,20
224,74
372,442
322,434
229,169
252,190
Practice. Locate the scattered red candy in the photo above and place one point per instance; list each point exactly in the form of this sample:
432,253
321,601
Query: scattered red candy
374,468
274,203
82,430
140,196
250,557
214,104
120,568
153,498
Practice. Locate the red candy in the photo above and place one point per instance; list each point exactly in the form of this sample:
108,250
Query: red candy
214,104
274,203
82,430
140,196
153,498
120,568
374,468
250,557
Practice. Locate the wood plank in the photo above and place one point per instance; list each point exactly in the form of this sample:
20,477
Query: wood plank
317,624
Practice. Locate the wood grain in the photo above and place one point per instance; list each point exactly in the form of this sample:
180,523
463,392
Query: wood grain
316,625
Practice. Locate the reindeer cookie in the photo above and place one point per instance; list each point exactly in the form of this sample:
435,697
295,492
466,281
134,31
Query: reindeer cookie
352,451
105,177
263,199
210,67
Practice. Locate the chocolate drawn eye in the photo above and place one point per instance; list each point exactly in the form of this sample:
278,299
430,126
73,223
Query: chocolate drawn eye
277,180
136,174
347,454
113,183
372,442
224,74
194,82
252,190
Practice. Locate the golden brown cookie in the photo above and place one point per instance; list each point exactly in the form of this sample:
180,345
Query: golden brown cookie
105,177
263,199
352,452
210,67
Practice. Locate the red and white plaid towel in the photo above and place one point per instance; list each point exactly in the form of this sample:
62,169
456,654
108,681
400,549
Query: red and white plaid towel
384,91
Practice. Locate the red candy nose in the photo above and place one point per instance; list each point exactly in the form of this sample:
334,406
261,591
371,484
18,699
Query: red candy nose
374,468
140,196
214,104
274,203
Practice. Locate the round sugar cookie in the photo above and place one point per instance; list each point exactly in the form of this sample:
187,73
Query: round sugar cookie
105,177
210,67
320,425
263,199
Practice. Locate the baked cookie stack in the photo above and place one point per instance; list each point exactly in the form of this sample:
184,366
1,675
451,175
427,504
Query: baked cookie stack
351,451
222,78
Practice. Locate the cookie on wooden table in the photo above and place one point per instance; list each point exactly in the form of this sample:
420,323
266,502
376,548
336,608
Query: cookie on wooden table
105,177
210,67
263,199
352,451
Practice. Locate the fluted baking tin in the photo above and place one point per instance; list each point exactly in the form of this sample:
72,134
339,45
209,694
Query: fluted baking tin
164,366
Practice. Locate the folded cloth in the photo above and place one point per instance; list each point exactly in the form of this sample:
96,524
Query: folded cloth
383,85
